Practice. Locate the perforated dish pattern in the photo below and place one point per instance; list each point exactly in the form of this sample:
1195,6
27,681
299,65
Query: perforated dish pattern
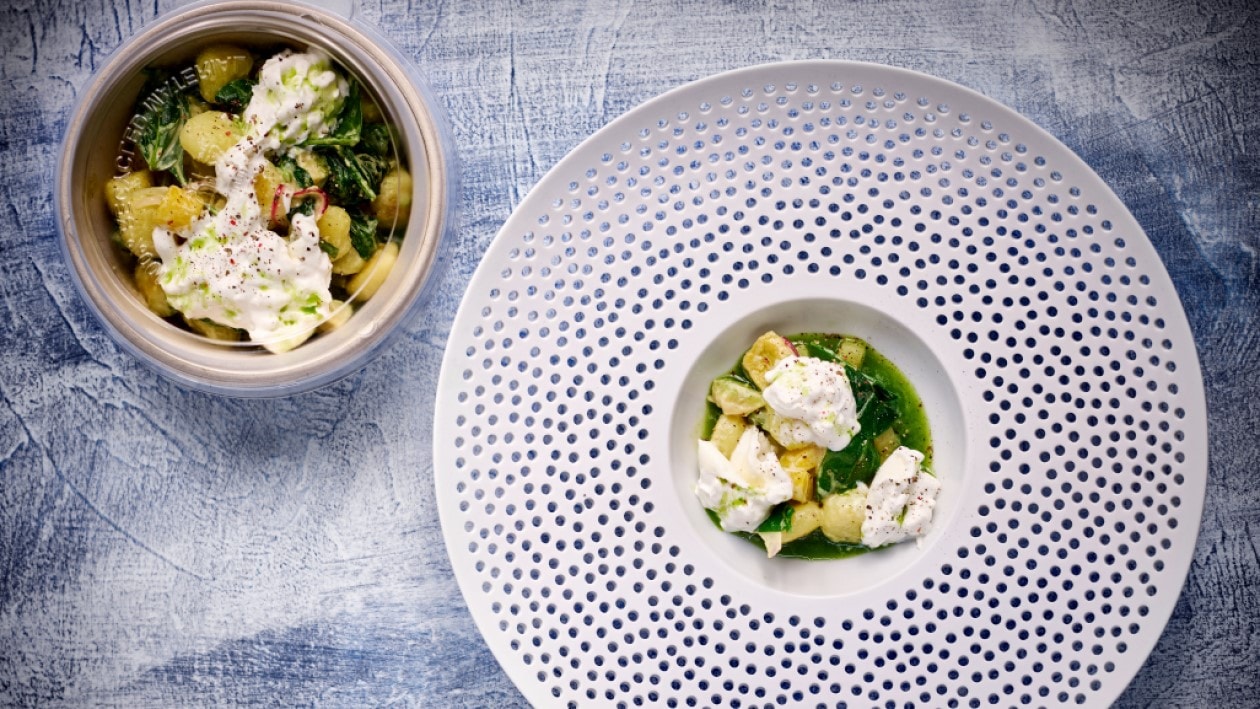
994,267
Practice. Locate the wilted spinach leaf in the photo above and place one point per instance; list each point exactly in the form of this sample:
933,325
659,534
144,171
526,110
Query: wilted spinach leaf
161,116
235,95
352,178
876,408
373,169
377,140
363,233
818,351
780,519
875,404
842,470
303,205
293,172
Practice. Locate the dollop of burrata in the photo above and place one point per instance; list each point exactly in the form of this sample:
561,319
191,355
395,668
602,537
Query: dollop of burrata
296,93
231,268
900,500
743,489
816,397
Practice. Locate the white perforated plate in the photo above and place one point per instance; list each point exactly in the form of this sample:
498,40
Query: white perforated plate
983,257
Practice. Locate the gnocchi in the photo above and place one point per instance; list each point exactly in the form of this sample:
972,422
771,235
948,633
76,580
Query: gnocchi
393,203
206,136
368,281
219,64
306,169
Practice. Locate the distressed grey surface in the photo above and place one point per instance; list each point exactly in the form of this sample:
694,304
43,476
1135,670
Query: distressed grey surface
159,547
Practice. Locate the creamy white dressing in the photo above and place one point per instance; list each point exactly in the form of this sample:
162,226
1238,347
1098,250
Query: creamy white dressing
900,500
743,489
816,399
231,268
296,92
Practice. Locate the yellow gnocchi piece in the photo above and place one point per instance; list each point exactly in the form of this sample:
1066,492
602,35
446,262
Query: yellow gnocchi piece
196,106
213,330
219,64
284,345
118,190
141,215
887,442
803,458
802,484
334,229
842,516
314,166
801,465
852,351
206,136
806,517
338,314
367,282
348,264
266,185
392,205
178,208
151,290
764,354
779,429
726,433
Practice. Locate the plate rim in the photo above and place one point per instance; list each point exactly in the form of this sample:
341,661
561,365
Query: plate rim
995,110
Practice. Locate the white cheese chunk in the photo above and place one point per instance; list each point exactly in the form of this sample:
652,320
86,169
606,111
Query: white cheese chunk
900,501
816,397
743,489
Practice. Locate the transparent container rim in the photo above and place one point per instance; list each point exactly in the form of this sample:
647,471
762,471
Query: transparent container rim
251,374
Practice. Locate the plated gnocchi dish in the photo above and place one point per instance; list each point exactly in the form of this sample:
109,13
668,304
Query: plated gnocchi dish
816,446
260,195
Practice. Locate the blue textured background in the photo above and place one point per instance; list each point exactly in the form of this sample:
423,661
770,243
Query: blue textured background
161,547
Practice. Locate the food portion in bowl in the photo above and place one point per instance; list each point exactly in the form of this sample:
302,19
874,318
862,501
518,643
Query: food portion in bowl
816,446
270,199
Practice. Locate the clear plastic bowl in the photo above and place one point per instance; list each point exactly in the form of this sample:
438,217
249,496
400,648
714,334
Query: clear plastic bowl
91,156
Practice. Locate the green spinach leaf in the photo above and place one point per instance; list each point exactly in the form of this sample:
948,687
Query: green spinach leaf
711,414
840,471
876,405
879,415
235,95
780,519
862,385
303,205
352,178
377,140
162,114
294,173
349,124
363,233
373,169
818,351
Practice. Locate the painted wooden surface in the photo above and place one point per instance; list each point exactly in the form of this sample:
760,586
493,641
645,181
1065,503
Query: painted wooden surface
160,547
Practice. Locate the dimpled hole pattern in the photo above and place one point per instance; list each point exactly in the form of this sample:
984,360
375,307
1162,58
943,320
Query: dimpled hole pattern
1064,337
